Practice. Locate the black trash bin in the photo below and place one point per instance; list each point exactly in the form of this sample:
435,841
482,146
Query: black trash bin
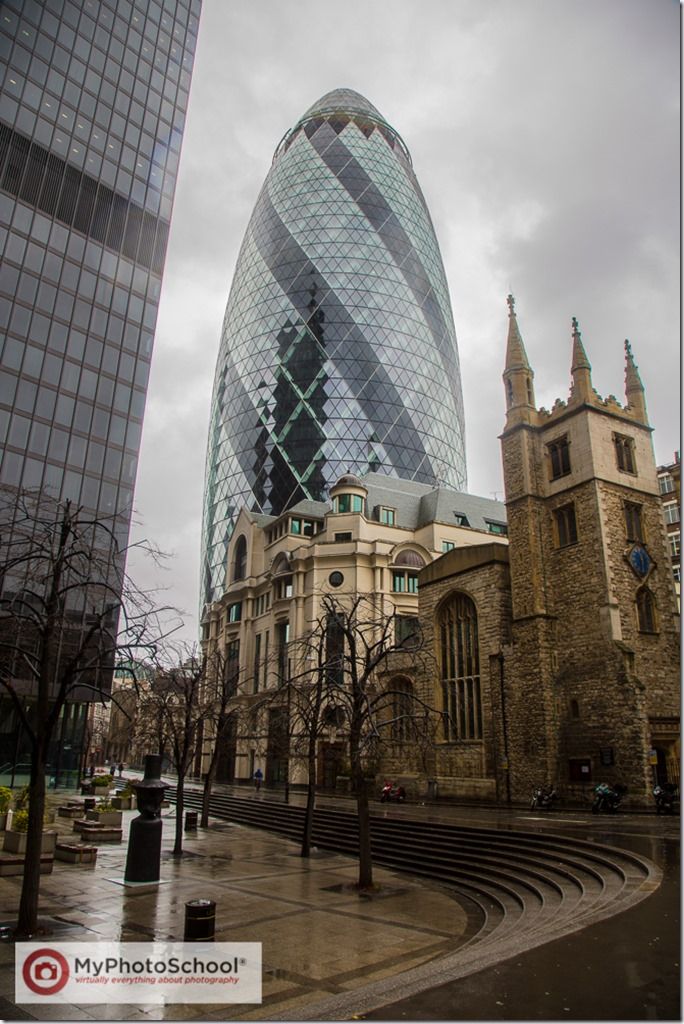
200,921
90,803
191,821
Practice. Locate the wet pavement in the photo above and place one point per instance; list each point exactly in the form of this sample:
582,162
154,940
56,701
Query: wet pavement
321,942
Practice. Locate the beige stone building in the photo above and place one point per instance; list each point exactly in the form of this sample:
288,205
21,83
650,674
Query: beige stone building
670,485
372,538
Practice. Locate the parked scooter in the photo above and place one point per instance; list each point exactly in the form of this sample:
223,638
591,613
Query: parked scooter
666,798
607,798
392,792
543,798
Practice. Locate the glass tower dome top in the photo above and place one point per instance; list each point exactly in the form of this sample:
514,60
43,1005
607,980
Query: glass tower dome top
342,106
338,352
343,101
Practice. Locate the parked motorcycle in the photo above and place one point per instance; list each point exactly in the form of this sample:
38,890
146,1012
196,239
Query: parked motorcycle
392,792
666,798
543,798
607,798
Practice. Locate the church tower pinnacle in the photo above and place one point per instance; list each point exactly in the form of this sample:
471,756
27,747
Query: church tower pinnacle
518,374
634,389
582,389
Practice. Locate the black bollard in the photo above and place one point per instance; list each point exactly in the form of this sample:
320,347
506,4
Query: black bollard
200,921
191,821
89,803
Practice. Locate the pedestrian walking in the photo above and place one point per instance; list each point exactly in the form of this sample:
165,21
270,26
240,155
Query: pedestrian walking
120,769
258,779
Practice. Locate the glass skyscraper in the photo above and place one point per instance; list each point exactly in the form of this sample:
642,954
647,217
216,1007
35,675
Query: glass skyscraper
92,109
338,350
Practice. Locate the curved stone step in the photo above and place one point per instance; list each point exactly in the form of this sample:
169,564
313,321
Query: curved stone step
525,888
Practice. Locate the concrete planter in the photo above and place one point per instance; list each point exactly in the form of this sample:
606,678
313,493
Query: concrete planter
72,853
106,818
15,842
124,803
70,811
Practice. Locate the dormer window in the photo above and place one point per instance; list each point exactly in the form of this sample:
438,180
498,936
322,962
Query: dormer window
388,516
461,519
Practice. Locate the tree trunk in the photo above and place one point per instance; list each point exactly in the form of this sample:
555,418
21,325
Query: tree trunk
310,800
359,782
206,791
365,853
180,805
27,922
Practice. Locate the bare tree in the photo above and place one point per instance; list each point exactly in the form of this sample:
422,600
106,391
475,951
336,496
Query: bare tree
67,611
221,681
342,677
174,700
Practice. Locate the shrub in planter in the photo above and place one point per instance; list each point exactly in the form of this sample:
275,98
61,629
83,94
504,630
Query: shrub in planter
105,814
5,801
15,838
20,821
101,781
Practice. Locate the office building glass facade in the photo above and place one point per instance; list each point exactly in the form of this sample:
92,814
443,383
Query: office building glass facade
338,350
93,95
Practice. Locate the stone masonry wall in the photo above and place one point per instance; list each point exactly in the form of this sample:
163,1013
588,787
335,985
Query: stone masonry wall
470,769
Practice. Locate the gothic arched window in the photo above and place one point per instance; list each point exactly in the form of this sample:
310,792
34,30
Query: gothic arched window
240,563
460,669
403,709
646,611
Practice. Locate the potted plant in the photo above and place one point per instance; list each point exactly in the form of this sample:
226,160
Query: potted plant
105,814
15,837
100,785
5,801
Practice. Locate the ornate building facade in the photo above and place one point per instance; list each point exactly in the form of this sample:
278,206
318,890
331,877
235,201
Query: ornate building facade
373,537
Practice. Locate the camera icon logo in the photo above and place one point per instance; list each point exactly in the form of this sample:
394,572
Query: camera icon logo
45,971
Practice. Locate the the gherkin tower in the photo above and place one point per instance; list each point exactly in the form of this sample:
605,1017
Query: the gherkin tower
338,351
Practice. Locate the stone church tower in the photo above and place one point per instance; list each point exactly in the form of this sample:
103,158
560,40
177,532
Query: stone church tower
592,670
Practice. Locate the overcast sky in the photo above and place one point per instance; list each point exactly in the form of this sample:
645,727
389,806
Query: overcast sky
545,137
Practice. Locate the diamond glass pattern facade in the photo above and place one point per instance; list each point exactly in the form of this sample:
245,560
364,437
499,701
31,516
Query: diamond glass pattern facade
338,350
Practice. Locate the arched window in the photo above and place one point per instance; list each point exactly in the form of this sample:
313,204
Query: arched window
403,709
646,611
460,669
240,563
405,571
